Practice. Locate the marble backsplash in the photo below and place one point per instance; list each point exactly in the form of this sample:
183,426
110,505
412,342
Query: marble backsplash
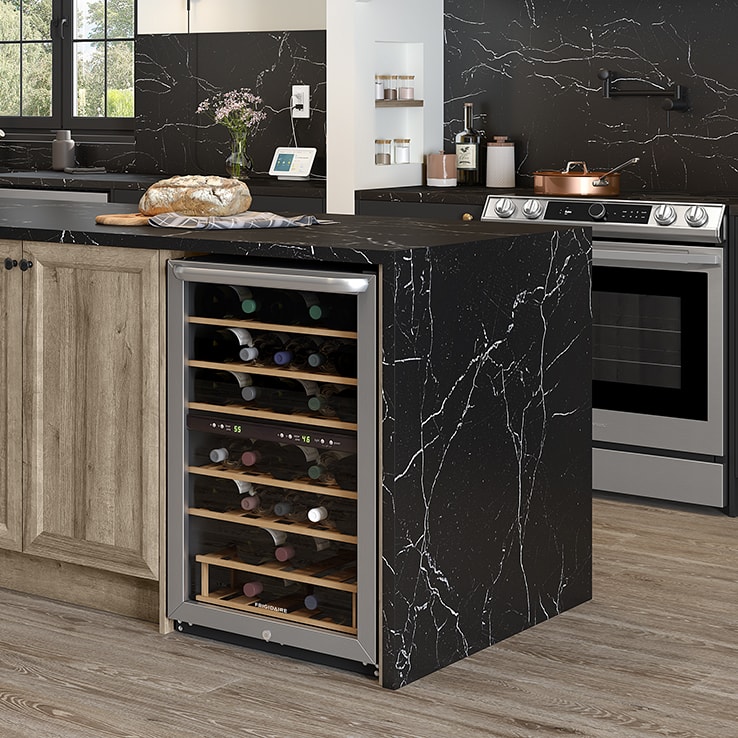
531,70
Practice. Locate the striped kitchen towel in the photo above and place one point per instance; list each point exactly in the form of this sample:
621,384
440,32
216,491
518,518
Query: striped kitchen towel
240,220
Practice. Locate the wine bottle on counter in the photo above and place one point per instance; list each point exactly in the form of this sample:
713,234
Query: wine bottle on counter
220,300
324,470
469,151
221,344
335,357
336,514
297,351
280,394
335,400
220,386
263,347
285,461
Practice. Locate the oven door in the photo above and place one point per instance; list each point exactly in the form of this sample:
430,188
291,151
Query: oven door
658,346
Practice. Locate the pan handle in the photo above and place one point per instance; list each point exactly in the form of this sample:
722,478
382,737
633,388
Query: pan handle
603,182
583,164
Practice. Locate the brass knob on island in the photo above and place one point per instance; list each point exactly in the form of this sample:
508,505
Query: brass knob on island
467,217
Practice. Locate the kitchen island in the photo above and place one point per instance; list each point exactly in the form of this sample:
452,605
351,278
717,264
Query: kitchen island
485,462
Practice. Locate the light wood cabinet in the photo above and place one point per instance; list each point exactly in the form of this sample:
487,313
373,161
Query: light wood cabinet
89,407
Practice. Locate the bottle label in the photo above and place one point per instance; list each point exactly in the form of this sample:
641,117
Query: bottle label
466,155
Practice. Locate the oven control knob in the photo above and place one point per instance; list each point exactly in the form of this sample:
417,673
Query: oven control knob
505,207
597,211
664,215
532,209
696,216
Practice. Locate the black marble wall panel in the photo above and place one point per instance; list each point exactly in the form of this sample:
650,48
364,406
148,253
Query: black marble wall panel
487,461
174,73
531,69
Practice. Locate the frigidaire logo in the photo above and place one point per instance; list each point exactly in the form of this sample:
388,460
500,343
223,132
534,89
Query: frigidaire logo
265,606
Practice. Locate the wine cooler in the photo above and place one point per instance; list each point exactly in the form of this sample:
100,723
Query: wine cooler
272,455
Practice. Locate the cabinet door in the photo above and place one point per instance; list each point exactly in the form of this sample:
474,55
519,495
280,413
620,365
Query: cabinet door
213,16
162,16
11,495
91,406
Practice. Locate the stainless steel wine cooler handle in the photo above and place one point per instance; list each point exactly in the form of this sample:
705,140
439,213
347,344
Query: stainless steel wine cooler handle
306,280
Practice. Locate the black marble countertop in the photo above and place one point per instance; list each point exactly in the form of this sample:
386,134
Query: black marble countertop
49,179
59,222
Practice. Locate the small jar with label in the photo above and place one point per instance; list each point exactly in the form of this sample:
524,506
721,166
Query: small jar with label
382,151
390,87
406,87
379,86
402,151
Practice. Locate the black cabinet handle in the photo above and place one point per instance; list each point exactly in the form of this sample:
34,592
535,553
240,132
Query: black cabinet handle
25,265
10,263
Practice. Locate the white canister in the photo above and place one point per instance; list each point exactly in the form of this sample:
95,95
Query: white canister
501,163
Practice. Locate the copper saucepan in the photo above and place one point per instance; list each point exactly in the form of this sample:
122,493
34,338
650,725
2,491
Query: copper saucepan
579,183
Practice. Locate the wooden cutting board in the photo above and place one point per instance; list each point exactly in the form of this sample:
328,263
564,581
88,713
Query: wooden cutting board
122,219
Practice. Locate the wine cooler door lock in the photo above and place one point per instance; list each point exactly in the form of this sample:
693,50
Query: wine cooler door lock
10,263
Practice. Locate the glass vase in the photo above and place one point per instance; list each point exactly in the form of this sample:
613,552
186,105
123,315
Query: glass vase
238,163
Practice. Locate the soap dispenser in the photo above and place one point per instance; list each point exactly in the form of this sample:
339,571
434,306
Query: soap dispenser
62,151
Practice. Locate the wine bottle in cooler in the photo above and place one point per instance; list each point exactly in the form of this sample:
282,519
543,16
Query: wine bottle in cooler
292,507
281,394
262,501
220,495
335,311
336,514
333,466
229,454
259,545
469,151
335,357
330,605
221,344
220,386
296,352
335,400
303,551
288,307
263,347
285,461
220,300
268,595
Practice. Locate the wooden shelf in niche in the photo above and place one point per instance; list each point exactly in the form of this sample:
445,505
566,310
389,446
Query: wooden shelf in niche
310,330
398,103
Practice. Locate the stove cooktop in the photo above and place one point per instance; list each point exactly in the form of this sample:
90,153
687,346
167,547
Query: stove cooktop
657,219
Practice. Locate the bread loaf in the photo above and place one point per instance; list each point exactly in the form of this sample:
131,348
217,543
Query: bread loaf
196,194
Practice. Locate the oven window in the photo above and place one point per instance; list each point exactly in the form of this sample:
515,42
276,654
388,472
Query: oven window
649,344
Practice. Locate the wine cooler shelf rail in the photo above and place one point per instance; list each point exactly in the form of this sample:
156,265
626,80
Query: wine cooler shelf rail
321,421
337,572
242,517
268,481
310,330
291,373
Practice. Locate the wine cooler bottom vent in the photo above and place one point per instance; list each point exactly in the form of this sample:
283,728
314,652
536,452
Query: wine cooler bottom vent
321,595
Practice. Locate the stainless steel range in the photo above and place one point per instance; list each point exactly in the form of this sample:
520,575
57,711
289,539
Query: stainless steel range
659,346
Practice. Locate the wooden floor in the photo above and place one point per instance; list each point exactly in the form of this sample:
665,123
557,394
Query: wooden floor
654,654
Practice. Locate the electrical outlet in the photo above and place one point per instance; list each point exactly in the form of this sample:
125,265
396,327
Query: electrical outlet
300,97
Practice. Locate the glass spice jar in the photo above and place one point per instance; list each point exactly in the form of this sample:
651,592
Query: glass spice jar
402,150
406,87
382,151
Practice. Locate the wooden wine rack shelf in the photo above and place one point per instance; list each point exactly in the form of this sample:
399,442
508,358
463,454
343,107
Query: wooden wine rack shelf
242,517
236,600
238,366
310,330
213,470
337,572
242,411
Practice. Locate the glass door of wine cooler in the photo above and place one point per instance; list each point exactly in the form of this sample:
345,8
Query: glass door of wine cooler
272,455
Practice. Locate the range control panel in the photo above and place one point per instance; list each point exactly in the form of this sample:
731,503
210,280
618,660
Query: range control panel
653,220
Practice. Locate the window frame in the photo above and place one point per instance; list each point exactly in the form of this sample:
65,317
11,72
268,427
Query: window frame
62,85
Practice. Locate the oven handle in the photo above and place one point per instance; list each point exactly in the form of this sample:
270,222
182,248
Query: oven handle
600,255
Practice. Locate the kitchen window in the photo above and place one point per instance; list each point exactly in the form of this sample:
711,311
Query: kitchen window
67,64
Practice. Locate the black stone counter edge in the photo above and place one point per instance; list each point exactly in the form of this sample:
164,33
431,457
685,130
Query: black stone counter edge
478,196
262,185
55,221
